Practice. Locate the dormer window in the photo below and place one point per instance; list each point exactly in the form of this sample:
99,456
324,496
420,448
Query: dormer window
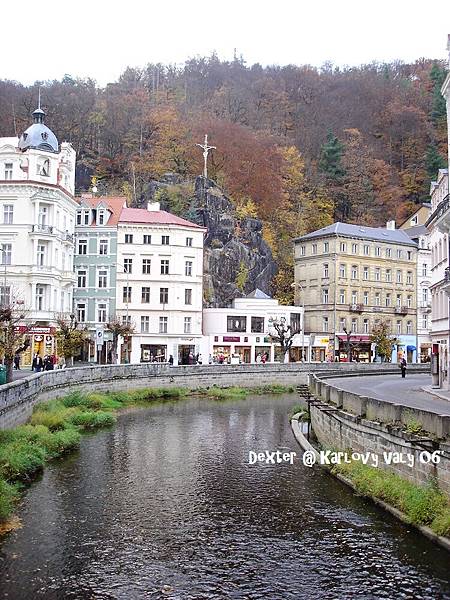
86,217
101,217
8,171
78,217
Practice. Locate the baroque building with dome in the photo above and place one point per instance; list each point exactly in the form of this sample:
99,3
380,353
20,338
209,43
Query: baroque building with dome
37,221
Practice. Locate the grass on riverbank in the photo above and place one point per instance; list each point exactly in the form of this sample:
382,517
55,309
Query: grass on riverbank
56,426
422,505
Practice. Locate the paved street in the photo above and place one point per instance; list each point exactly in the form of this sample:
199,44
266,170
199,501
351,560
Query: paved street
392,388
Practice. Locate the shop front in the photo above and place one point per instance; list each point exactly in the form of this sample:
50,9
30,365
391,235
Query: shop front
319,348
153,353
358,345
186,352
42,342
262,351
245,353
221,354
425,352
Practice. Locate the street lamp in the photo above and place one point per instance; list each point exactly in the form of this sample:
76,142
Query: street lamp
294,285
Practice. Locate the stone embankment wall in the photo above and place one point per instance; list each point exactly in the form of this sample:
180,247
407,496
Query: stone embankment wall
343,420
18,398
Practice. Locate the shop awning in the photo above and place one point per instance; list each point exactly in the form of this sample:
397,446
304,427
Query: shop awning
411,348
354,337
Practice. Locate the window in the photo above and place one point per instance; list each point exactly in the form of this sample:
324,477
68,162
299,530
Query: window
409,301
354,248
413,221
342,296
399,276
145,324
388,252
366,249
388,300
342,271
81,279
101,312
188,296
296,321
42,216
188,268
366,273
189,241
40,255
145,295
101,217
409,254
425,321
165,240
128,238
354,272
82,247
314,249
342,324
324,296
164,295
236,324
398,300
354,297
326,247
425,296
78,217
343,247
163,324
127,294
325,271
377,273
187,324
86,217
366,326
5,295
399,327
8,214
408,327
127,265
165,267
302,250
409,277
257,324
377,251
103,247
126,320
377,299
388,275
366,299
424,269
147,239
399,253
40,297
354,325
5,254
103,278
146,266
81,313
8,171
325,324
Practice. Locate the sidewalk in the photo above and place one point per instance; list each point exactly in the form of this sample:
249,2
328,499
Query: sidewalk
439,393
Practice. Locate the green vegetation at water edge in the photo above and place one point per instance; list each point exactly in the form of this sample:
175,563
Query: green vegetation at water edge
55,428
422,505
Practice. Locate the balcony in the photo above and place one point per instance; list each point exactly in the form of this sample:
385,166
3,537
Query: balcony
401,310
356,308
45,229
440,218
446,281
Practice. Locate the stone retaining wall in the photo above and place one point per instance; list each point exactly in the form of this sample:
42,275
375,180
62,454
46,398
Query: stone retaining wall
17,398
345,420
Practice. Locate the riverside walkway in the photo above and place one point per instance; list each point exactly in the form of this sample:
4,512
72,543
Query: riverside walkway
392,388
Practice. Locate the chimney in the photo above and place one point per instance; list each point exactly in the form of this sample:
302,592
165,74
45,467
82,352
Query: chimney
153,206
390,225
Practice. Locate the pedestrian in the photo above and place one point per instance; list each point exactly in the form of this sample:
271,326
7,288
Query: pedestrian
264,358
39,363
17,361
34,363
258,358
191,359
403,366
170,360
62,362
199,359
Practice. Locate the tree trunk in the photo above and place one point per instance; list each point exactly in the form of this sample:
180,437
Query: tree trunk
9,369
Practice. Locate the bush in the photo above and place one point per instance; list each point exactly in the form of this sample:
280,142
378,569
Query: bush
75,399
8,494
20,460
93,419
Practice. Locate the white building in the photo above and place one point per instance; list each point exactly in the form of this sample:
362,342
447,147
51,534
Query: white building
243,330
37,217
159,284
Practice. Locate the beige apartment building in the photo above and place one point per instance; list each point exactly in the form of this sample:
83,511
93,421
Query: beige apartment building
348,278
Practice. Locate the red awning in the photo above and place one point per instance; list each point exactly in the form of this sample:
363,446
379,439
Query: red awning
355,337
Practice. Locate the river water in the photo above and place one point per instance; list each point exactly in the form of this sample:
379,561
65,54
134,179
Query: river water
165,505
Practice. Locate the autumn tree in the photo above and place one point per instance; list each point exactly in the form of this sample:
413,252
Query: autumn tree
70,337
14,336
118,329
383,339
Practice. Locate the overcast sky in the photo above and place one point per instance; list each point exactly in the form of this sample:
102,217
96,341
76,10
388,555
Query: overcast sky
99,38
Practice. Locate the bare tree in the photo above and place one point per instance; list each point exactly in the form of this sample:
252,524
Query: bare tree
283,334
118,329
13,333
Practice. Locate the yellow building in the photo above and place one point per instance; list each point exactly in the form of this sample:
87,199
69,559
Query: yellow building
349,278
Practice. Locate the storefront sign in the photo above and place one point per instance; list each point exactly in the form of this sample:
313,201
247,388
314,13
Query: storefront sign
45,330
231,339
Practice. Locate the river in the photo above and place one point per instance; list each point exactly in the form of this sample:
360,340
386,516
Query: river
165,505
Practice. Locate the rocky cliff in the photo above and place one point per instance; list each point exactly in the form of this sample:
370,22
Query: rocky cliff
237,260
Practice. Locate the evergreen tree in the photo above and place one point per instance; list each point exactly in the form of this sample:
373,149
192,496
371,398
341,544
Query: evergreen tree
433,161
330,158
438,112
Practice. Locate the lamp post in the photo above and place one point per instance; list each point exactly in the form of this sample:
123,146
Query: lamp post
349,350
294,285
125,270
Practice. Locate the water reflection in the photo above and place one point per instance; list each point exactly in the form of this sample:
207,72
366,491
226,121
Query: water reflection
167,498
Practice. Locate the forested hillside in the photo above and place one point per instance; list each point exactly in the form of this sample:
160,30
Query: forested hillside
296,146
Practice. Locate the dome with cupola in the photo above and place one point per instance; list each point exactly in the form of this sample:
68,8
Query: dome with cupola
38,136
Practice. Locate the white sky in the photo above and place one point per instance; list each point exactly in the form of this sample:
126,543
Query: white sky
98,38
